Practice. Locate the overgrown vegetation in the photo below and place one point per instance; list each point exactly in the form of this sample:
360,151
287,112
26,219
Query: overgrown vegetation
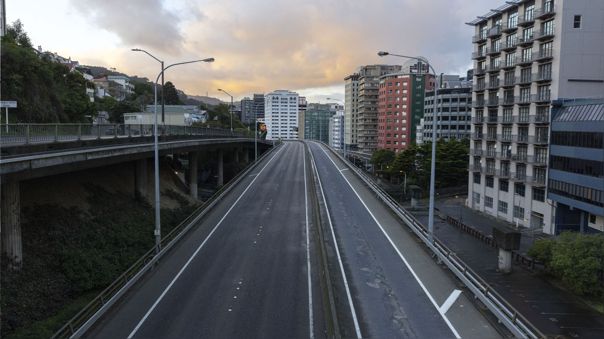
71,254
576,259
451,163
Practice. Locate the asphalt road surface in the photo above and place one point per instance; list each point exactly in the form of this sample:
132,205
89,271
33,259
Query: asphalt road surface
243,273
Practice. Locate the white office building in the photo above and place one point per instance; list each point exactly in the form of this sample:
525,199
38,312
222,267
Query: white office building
526,54
281,115
336,130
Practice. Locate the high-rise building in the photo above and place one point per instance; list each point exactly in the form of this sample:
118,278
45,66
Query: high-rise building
336,130
401,105
258,110
527,53
316,121
281,115
247,110
351,110
453,115
362,96
576,166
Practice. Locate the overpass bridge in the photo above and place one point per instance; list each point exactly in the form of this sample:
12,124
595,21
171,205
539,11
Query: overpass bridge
30,151
300,245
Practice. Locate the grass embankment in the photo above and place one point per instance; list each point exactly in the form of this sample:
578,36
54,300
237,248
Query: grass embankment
70,255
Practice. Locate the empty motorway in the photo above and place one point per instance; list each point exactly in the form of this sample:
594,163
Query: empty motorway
252,266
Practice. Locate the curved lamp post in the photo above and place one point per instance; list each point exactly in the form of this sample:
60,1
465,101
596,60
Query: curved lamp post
157,231
433,163
230,108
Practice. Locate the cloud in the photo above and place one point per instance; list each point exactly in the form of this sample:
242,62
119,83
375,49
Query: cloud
138,23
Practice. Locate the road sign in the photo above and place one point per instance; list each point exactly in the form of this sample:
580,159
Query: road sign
8,104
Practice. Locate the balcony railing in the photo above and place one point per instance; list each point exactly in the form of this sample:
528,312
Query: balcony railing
504,173
493,68
525,79
494,50
479,55
541,97
492,119
491,153
478,120
542,118
543,76
507,119
482,36
478,103
544,34
511,62
493,102
509,81
543,54
491,137
504,155
522,119
509,28
479,71
494,31
476,152
493,83
539,139
520,138
509,45
525,40
505,137
525,20
536,180
523,60
520,157
509,100
479,87
477,136
546,11
537,160
489,170
523,99
475,168
520,176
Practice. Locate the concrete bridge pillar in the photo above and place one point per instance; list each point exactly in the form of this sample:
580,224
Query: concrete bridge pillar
193,163
236,155
11,224
140,180
246,156
220,168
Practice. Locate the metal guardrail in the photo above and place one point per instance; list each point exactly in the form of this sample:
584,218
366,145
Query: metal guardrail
25,134
505,313
85,318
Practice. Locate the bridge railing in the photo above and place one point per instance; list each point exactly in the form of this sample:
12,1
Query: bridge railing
501,308
24,134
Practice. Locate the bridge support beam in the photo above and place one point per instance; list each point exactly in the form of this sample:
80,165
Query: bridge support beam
11,224
236,156
220,168
140,180
246,156
193,168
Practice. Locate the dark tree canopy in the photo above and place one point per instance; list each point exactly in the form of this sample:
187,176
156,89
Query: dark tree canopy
170,94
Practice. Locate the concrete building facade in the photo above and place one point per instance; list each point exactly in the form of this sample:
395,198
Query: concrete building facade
281,115
576,165
258,110
336,130
351,110
247,110
527,53
453,118
316,122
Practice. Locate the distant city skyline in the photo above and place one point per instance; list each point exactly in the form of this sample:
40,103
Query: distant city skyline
259,46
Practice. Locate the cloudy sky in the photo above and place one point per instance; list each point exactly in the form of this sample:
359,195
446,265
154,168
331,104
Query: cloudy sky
259,45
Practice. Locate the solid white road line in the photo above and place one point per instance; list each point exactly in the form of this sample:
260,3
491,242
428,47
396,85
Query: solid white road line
421,284
198,249
310,315
450,301
335,242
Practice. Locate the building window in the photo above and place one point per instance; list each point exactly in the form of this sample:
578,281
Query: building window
490,182
477,178
518,212
519,189
504,185
592,218
577,21
539,194
488,201
476,197
502,207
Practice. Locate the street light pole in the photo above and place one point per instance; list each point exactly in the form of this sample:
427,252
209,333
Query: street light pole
230,108
157,231
433,163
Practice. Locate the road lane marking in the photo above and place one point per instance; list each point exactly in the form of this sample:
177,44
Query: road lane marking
198,249
450,301
421,284
310,315
344,169
333,234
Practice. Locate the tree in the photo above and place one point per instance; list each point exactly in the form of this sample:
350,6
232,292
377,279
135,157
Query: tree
170,94
16,33
382,158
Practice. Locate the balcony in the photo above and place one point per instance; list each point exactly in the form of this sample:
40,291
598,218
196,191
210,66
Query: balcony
479,87
510,81
509,45
489,170
505,137
523,99
536,180
508,28
479,71
547,11
510,63
542,118
494,51
525,79
491,102
475,168
476,152
526,20
504,156
477,136
504,173
524,41
493,68
522,119
509,100
537,160
520,157
495,31
541,97
524,60
543,76
479,55
491,153
544,34
519,176
478,120
507,119
493,83
543,55
521,138
478,103
480,37
491,137
492,119
540,139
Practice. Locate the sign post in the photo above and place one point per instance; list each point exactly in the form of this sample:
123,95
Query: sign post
6,105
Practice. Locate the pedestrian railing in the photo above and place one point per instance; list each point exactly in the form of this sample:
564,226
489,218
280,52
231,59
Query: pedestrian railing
85,318
25,134
505,313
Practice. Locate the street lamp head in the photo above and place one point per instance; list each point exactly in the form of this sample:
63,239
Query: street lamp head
382,53
220,90
208,60
136,50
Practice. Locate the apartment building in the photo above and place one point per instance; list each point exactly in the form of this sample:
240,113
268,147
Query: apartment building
316,121
401,105
247,110
336,130
576,165
351,110
527,53
258,107
364,125
281,115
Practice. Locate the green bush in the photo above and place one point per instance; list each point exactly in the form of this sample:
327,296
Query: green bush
542,251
